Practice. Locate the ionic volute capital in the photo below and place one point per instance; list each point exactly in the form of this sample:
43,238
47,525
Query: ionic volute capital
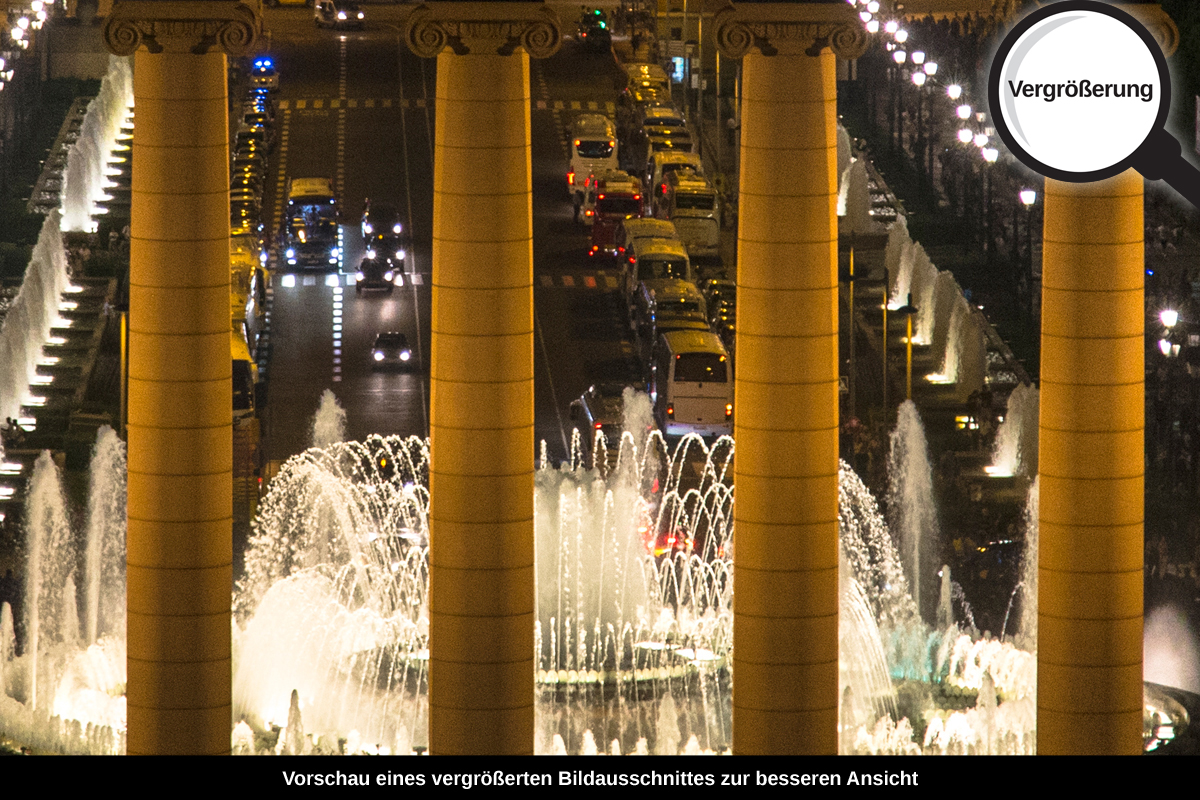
791,28
182,26
481,28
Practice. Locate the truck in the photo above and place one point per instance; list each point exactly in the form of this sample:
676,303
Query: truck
312,237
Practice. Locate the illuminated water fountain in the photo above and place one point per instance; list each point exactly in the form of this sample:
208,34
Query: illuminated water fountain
85,180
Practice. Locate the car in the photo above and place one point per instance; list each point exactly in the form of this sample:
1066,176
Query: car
601,409
391,349
263,74
383,231
378,272
339,14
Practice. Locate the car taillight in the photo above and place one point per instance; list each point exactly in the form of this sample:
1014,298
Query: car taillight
571,178
728,410
597,425
670,411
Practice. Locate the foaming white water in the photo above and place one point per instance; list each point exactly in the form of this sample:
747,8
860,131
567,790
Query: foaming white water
1015,450
329,423
912,516
32,314
854,201
1169,650
66,694
84,180
105,554
899,266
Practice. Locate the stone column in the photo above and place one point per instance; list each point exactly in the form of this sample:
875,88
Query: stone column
179,549
481,572
1090,464
1091,450
785,694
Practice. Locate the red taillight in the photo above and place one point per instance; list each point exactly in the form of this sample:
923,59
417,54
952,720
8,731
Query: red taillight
597,425
590,213
571,178
670,411
728,410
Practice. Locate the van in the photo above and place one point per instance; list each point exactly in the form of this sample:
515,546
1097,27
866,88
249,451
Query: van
659,166
592,147
692,385
690,203
656,259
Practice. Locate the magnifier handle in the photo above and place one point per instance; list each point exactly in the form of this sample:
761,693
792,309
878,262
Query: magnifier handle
1159,159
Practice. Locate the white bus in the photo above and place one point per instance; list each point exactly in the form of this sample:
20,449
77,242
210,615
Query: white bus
692,385
592,147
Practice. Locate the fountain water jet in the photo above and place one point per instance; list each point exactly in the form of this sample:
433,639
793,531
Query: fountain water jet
84,179
912,517
329,423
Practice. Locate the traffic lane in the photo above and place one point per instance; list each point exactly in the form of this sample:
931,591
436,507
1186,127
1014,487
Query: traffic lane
383,400
301,366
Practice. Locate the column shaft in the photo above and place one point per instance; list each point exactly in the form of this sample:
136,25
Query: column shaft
481,475
179,551
1090,461
785,698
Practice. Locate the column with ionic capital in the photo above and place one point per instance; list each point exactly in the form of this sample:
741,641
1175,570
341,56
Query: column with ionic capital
179,542
785,655
1091,458
481,572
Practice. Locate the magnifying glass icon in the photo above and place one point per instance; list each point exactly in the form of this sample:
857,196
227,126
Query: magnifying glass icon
1080,91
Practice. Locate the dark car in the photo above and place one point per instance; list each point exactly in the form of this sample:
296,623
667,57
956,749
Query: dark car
377,273
601,409
593,31
391,349
339,14
383,232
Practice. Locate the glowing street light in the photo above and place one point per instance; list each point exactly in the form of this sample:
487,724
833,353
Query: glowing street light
964,112
981,139
965,136
954,91
1168,317
918,78
1028,197
918,56
899,56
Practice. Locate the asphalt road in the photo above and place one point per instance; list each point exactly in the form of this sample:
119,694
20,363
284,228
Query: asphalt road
357,107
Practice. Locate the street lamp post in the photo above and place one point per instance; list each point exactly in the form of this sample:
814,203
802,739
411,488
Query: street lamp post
1028,198
908,310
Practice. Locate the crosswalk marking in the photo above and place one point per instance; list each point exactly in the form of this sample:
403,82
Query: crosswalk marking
366,102
598,280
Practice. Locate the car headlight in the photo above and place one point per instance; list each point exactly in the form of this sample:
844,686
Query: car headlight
378,355
360,15
387,276
396,228
400,254
368,228
405,355
341,15
291,252
335,252
358,276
